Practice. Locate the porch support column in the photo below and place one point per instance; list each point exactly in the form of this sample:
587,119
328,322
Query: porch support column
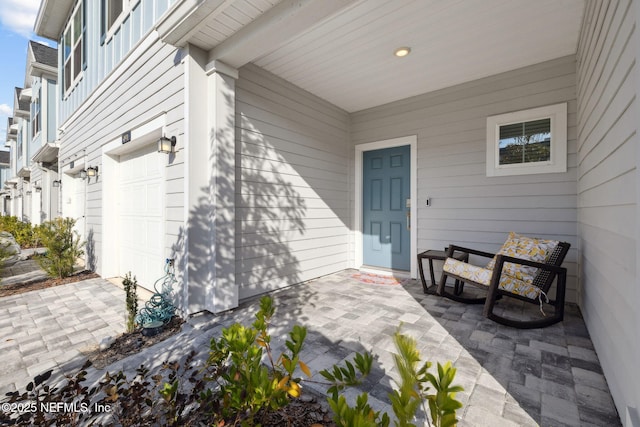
222,161
210,186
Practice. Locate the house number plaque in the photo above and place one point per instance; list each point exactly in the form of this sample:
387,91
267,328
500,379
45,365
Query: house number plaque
126,137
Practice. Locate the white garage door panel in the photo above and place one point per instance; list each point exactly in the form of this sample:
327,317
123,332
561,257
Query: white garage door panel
141,216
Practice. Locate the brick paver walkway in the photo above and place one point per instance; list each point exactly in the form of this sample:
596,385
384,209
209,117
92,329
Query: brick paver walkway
42,329
548,377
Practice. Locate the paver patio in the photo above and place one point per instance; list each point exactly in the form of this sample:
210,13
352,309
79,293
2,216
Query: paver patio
548,377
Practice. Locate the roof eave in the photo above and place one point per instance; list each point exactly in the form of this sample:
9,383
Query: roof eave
51,18
24,172
39,70
25,94
47,153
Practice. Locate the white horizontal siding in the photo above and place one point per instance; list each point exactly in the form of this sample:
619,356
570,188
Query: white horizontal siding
153,85
469,208
292,193
607,192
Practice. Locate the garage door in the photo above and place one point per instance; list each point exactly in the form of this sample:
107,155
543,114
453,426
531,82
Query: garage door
141,216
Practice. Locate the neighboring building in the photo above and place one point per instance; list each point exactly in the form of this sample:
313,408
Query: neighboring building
43,147
303,147
19,136
31,138
5,174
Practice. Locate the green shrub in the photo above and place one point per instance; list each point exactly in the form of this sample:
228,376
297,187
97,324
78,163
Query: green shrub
63,247
130,289
248,387
21,231
406,399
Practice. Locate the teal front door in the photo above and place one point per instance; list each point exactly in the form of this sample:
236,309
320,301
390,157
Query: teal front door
385,208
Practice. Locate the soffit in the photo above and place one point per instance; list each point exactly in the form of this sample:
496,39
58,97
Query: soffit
51,18
348,60
342,50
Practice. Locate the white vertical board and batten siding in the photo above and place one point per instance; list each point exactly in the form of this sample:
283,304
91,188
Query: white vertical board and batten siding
292,201
469,208
607,191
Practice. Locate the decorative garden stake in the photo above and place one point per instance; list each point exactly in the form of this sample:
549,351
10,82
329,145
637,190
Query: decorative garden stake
159,310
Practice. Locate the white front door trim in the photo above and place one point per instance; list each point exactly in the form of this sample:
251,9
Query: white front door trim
412,141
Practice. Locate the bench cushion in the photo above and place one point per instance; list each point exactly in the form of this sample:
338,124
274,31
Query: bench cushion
529,248
483,276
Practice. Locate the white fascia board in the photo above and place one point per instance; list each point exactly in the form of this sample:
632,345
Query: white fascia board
25,94
46,153
51,18
24,172
41,70
186,17
275,27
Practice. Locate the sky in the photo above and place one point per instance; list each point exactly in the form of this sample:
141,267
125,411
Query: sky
16,29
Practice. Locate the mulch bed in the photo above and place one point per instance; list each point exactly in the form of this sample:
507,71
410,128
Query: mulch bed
131,343
19,288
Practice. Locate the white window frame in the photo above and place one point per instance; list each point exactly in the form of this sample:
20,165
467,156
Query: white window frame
558,161
109,31
69,30
36,116
107,14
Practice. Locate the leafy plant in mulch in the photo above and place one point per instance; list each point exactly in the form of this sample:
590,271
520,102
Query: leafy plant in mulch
412,391
131,300
63,247
26,235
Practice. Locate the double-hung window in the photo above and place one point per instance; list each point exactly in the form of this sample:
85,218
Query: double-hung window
111,12
528,142
35,115
73,47
19,144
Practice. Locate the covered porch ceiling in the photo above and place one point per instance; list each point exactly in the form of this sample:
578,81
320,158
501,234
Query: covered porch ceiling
343,50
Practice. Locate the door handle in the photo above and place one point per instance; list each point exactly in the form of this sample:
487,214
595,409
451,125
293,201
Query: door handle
408,220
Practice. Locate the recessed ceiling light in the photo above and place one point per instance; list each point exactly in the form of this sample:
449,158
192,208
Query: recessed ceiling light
402,51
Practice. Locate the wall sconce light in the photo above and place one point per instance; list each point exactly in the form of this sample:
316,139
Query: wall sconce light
57,183
83,174
28,192
92,171
38,189
166,145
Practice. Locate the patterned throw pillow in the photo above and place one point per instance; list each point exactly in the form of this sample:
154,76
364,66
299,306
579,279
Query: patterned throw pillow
524,247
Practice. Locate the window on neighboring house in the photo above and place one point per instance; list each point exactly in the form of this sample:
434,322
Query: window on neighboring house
111,11
73,47
527,142
19,144
35,116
